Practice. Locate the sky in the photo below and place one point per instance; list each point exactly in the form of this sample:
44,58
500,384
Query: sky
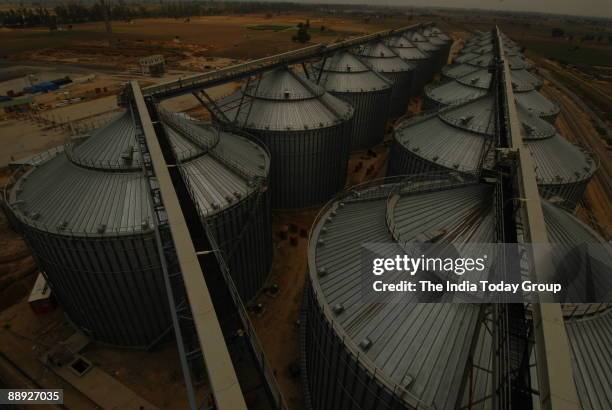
598,8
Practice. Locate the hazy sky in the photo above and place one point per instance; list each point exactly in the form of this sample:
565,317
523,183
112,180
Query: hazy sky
598,8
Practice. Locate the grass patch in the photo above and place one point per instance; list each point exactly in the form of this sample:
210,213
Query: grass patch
269,27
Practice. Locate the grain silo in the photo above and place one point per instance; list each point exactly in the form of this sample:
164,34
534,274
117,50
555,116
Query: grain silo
306,130
86,215
477,83
422,61
227,177
439,39
348,78
517,65
384,61
390,355
423,44
459,138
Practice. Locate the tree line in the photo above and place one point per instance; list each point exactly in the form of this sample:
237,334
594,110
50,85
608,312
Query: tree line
75,12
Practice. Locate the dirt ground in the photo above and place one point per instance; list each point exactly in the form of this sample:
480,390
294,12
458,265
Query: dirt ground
576,125
277,326
208,36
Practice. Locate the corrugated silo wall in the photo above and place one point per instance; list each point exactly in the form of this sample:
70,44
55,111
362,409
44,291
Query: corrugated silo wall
112,288
400,94
404,162
422,75
308,167
335,378
446,53
369,118
570,193
244,234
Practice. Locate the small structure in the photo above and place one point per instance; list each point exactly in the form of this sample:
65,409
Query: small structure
154,65
17,104
41,298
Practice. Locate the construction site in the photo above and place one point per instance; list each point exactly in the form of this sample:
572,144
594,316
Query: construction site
185,202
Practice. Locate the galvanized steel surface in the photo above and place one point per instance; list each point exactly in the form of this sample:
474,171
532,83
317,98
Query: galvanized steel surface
86,215
456,138
306,130
383,60
432,366
368,92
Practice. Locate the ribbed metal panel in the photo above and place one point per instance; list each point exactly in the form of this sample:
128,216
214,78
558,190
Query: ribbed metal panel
229,186
384,61
457,138
86,215
111,288
357,354
306,130
370,119
422,61
466,84
368,92
308,167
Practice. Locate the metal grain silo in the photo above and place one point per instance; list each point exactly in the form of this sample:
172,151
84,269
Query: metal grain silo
86,216
306,130
423,44
517,65
227,178
476,84
384,61
423,64
439,39
359,354
348,78
459,138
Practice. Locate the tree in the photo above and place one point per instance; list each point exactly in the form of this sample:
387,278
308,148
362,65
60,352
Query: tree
302,35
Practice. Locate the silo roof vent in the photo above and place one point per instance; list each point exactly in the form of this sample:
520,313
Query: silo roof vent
365,344
466,120
338,308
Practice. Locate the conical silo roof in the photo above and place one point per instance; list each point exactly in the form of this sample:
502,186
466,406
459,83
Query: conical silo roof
431,368
433,38
455,138
536,103
476,83
97,186
441,34
421,42
462,58
383,60
283,101
453,93
345,73
405,49
221,173
459,70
